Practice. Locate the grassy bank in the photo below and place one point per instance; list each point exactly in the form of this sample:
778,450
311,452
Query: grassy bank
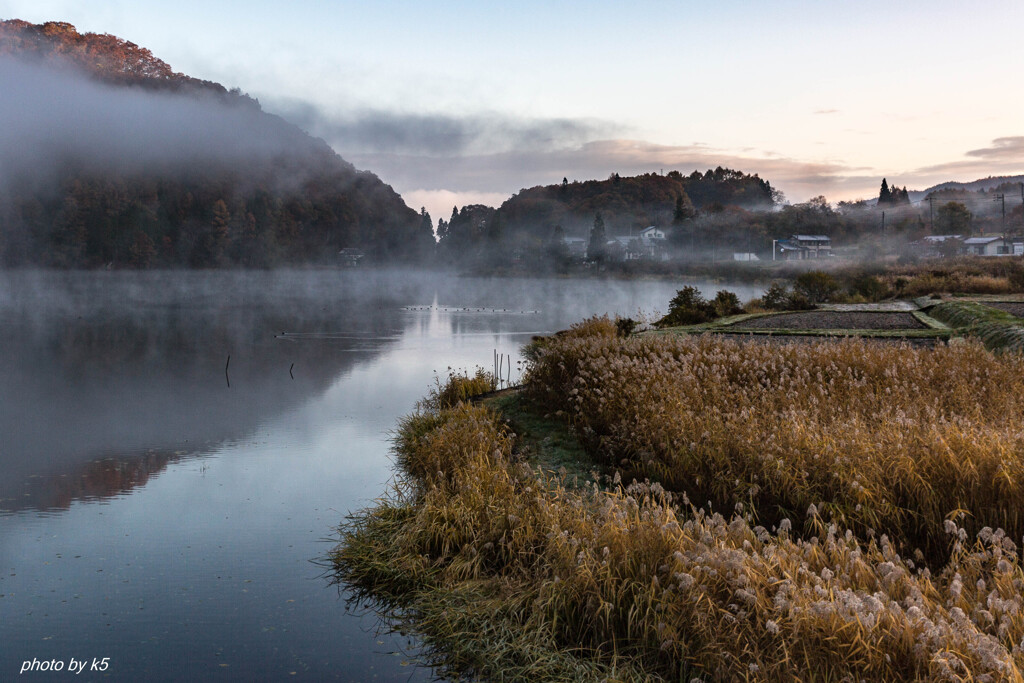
856,488
997,329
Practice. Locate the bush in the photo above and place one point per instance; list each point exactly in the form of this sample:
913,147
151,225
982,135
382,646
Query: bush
688,307
817,286
797,301
726,303
625,326
776,298
1016,278
870,287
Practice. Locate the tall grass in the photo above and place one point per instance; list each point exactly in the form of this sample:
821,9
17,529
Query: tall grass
514,577
879,439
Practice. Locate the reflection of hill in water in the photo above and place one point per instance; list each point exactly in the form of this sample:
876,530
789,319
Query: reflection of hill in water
95,479
136,368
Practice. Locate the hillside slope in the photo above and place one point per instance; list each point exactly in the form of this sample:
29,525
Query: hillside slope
112,159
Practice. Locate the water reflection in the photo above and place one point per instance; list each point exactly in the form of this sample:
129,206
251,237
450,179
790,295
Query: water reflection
183,515
91,390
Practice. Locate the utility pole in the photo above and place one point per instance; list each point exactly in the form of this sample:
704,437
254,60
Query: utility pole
1002,198
883,223
931,214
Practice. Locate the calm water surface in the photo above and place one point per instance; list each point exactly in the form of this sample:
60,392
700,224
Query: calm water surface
163,506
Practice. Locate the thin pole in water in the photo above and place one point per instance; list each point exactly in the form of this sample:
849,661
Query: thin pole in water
290,371
226,377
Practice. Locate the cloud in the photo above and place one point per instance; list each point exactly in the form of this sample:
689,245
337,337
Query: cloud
439,203
1005,156
504,173
1010,148
826,111
371,131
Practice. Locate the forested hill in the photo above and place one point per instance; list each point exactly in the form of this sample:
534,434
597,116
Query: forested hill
101,55
112,159
632,202
531,219
625,202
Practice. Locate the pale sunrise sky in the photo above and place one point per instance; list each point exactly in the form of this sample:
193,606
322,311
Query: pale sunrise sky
463,102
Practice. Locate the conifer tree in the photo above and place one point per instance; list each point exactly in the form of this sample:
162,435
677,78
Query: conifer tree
596,249
884,196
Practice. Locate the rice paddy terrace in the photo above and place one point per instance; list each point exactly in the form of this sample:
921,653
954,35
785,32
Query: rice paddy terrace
997,321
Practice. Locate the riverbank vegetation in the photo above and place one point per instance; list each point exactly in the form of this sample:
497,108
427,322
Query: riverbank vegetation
832,511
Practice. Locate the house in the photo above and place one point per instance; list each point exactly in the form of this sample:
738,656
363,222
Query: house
576,246
937,246
351,256
626,248
994,246
652,233
744,256
649,244
801,247
817,246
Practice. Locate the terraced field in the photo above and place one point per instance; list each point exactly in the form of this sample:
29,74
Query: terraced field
835,320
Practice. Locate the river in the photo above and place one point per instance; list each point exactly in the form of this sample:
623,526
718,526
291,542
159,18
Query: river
177,449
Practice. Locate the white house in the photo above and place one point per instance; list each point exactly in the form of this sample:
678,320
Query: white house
993,246
649,244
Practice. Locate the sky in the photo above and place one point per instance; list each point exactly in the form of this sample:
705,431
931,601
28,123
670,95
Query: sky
454,103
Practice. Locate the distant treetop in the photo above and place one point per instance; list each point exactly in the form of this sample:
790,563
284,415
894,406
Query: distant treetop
893,196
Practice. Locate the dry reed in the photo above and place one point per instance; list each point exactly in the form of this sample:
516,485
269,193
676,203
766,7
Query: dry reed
515,577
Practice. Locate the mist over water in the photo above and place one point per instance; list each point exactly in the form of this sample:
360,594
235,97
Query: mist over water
54,116
153,514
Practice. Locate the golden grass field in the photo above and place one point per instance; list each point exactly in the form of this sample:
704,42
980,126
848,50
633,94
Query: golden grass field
837,511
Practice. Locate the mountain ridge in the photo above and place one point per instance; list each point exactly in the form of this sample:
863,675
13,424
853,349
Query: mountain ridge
113,159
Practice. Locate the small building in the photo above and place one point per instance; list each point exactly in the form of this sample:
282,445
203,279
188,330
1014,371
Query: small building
801,247
992,246
744,256
937,246
649,244
577,247
350,256
652,233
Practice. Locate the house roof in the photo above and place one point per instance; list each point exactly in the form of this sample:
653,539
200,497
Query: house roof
941,238
981,240
812,238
